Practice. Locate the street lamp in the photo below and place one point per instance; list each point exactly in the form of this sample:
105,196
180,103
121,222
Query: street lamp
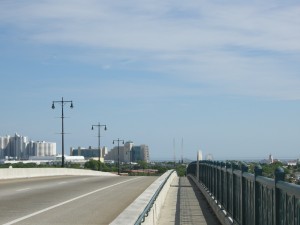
99,126
118,153
62,102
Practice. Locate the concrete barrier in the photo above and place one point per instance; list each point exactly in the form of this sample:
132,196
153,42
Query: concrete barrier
135,209
154,213
13,173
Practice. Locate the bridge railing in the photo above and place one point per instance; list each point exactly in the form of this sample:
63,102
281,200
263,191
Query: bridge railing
250,199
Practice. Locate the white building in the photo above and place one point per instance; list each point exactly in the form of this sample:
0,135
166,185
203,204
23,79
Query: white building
42,148
18,147
271,159
129,153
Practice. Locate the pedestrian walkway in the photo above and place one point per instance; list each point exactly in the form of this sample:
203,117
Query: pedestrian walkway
185,204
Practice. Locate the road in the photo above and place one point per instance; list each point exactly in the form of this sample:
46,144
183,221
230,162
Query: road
68,199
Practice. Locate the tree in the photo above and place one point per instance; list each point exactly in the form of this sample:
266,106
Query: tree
143,164
180,169
92,164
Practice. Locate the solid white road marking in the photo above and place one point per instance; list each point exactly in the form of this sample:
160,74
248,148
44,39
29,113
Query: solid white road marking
24,189
63,182
65,202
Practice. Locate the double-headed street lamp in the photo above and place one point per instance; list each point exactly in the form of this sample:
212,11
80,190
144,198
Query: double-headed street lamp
118,152
62,102
99,126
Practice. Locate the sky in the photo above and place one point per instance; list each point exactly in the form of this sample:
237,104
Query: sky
179,76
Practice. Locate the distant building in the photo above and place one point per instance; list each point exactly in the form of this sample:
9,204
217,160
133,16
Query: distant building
114,155
200,155
129,153
271,159
140,153
292,163
209,157
88,153
19,148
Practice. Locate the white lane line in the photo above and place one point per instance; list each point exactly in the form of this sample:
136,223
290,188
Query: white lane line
24,189
63,182
63,203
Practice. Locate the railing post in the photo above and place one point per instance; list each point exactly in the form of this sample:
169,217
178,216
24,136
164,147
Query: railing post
257,172
228,167
279,217
218,182
222,183
235,166
210,176
197,167
214,178
244,169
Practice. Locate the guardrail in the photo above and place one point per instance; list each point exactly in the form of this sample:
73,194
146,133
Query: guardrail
249,199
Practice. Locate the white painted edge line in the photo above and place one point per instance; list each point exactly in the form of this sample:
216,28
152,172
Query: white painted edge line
65,202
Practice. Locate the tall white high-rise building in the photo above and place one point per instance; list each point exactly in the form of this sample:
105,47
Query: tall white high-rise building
4,146
199,155
127,151
18,147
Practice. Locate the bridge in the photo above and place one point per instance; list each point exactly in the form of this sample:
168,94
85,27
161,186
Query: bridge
212,193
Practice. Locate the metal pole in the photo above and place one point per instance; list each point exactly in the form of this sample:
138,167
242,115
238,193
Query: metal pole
118,158
62,102
99,143
62,134
130,160
118,153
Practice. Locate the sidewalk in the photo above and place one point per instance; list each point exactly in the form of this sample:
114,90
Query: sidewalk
185,204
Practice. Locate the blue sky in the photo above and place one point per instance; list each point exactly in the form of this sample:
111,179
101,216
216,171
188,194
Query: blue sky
222,76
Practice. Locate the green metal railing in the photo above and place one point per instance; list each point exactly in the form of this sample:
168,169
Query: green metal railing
250,199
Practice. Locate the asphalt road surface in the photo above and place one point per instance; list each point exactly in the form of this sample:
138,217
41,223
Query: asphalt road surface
68,199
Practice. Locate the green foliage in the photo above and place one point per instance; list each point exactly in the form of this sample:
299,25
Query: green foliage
6,165
161,170
143,164
180,169
92,165
74,166
269,169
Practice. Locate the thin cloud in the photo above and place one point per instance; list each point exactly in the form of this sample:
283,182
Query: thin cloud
230,46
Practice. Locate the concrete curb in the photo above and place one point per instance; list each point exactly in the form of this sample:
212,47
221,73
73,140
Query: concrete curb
13,173
221,214
136,208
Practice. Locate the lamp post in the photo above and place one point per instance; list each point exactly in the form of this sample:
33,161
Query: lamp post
118,153
99,126
62,102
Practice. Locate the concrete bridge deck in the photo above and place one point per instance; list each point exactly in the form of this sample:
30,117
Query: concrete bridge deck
185,204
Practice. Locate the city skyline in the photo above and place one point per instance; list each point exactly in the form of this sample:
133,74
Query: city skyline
224,77
18,147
